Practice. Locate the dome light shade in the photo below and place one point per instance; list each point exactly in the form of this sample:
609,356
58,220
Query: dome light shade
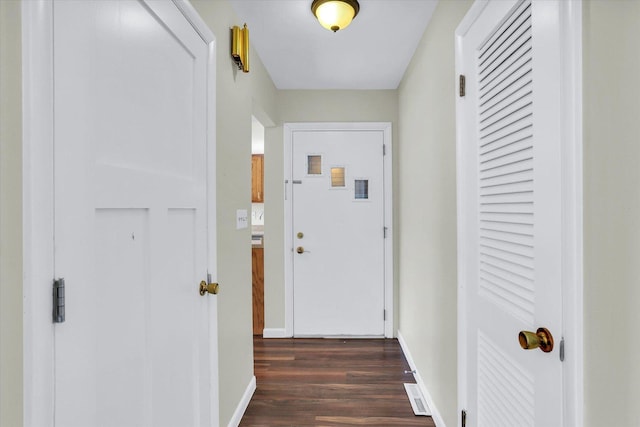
335,15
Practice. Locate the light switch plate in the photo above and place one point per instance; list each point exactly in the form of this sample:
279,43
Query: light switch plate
242,219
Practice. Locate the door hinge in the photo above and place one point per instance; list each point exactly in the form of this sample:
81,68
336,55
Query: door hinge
463,418
384,149
58,301
462,84
562,350
384,314
384,232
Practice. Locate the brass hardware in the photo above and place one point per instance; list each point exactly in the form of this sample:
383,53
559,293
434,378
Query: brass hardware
240,47
300,235
300,250
542,339
211,288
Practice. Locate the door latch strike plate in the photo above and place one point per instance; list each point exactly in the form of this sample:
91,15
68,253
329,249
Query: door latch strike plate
58,301
463,417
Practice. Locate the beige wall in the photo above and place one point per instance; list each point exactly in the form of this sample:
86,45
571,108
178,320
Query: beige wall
307,106
427,205
10,216
236,94
611,212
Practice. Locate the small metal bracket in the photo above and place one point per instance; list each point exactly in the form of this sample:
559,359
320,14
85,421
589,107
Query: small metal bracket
58,301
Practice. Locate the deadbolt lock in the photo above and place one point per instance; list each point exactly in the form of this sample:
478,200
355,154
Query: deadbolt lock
300,235
211,288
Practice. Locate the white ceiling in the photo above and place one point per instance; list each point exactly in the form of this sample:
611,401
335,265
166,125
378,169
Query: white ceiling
372,53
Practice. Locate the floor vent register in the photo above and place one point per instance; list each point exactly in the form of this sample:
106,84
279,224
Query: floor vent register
417,401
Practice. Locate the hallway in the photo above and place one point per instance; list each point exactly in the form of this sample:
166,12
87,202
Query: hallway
330,382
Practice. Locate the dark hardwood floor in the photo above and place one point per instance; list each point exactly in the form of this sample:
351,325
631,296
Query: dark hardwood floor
330,382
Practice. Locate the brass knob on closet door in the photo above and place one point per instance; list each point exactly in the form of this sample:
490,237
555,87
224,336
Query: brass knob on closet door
541,339
300,250
211,288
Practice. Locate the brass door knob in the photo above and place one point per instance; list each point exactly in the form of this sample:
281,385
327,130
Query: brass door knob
300,250
541,339
211,288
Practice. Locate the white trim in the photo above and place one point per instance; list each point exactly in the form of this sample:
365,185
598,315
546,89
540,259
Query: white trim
275,333
196,21
570,14
38,226
288,129
462,231
243,404
572,208
212,245
435,414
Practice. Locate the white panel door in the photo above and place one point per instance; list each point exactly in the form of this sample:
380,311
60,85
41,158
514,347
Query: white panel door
338,226
131,216
510,213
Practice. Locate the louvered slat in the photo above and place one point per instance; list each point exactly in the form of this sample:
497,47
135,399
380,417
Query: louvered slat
506,392
506,185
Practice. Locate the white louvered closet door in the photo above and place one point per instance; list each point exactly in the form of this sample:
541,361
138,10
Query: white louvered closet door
510,214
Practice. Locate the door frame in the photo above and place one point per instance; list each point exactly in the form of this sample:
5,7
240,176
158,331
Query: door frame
289,130
38,207
570,35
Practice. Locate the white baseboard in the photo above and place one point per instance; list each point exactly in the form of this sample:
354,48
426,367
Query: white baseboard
275,333
243,404
435,414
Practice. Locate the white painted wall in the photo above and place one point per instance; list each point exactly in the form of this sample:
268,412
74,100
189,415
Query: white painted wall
10,215
427,208
237,93
611,32
308,106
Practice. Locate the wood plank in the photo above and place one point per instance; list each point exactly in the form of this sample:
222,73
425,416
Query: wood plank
330,382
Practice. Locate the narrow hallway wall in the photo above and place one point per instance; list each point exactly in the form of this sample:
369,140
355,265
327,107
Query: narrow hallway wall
427,206
611,212
236,94
11,325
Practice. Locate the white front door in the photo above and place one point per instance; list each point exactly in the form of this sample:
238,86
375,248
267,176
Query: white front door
130,102
510,213
338,233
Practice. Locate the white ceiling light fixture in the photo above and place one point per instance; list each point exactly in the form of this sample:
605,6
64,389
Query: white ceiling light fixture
335,15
